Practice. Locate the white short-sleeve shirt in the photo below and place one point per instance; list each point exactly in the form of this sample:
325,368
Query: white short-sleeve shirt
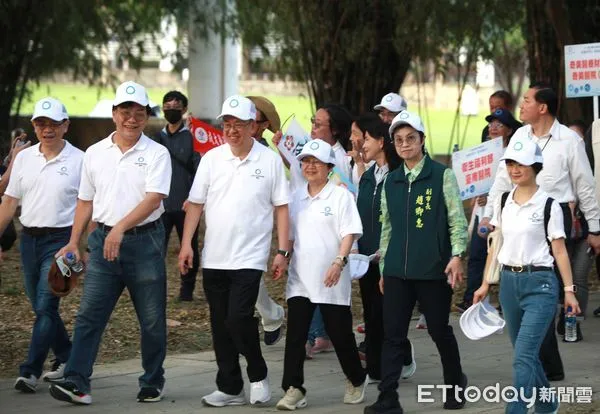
523,230
318,225
117,182
47,190
238,197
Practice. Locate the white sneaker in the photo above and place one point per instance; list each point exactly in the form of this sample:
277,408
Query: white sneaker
56,373
220,399
421,323
292,399
27,384
355,395
409,370
260,392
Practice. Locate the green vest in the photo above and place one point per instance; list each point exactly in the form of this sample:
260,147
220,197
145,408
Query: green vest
369,208
419,246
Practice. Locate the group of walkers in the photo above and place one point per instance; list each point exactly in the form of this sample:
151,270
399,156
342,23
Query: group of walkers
128,191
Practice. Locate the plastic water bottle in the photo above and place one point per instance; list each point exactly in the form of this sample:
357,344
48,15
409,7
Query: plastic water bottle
71,261
570,326
483,230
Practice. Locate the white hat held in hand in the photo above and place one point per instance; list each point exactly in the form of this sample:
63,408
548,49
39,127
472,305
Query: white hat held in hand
131,92
359,264
50,108
319,149
239,107
407,118
524,151
392,102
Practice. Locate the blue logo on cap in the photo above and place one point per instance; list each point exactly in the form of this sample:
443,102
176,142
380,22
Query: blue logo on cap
46,105
498,112
518,146
404,115
389,98
314,145
234,103
130,90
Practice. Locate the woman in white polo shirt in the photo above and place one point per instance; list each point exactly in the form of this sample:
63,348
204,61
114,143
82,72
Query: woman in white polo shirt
528,285
324,224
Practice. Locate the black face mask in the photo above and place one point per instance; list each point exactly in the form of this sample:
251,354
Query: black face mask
173,115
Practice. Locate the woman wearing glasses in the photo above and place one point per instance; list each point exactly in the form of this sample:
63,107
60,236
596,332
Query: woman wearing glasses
318,274
423,240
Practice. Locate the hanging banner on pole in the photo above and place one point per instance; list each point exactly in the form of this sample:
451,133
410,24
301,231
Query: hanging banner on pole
582,70
475,168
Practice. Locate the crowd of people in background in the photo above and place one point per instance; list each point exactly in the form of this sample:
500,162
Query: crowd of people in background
128,191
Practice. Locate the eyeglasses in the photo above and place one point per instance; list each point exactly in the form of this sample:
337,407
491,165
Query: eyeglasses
127,114
47,124
409,140
496,124
317,124
238,126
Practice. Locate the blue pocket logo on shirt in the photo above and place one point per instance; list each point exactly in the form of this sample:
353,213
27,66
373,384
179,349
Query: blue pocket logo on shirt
327,211
258,174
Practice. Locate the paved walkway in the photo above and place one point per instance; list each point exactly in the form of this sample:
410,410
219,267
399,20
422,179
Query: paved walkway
189,377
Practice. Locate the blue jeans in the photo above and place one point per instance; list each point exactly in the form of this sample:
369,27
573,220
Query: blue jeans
476,264
140,268
317,327
529,304
37,255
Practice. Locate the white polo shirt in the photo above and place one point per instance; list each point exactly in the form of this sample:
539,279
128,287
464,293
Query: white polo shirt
238,197
523,230
318,225
566,176
117,182
47,189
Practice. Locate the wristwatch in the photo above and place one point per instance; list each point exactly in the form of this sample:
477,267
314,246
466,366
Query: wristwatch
284,253
460,255
572,288
341,260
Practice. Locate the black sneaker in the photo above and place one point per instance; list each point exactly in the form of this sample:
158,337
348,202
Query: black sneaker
559,376
456,401
462,306
150,394
67,391
271,338
597,311
384,405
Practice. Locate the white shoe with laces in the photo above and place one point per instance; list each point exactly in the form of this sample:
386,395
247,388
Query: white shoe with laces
292,399
220,399
355,395
56,373
409,370
260,392
27,384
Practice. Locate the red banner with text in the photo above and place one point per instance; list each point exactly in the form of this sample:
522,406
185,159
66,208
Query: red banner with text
206,137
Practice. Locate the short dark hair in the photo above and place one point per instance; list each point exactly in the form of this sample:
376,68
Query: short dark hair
537,167
176,96
545,94
505,96
365,120
340,123
380,130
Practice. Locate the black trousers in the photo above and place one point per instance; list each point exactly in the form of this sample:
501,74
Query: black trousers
338,324
188,281
400,296
231,296
372,301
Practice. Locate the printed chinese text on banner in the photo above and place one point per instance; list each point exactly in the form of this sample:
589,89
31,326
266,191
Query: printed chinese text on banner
206,137
475,168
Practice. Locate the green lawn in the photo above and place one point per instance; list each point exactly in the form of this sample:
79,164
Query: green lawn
81,99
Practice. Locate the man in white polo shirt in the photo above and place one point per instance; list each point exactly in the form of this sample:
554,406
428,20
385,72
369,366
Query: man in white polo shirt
391,105
44,180
238,185
125,177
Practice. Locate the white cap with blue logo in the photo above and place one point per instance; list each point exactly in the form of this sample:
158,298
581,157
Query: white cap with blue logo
524,151
319,149
131,92
239,107
50,108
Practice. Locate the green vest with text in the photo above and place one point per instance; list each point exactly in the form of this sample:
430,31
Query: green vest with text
419,246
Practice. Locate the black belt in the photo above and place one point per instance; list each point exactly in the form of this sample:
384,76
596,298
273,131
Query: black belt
527,268
44,231
136,230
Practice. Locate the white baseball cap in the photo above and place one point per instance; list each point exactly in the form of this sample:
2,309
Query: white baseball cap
238,106
524,151
407,118
319,149
480,320
392,102
50,108
359,264
131,92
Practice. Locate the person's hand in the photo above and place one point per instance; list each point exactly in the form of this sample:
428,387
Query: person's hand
377,257
332,277
277,138
594,242
571,300
356,153
69,248
454,271
279,266
381,284
19,145
484,223
482,200
481,293
185,259
112,243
